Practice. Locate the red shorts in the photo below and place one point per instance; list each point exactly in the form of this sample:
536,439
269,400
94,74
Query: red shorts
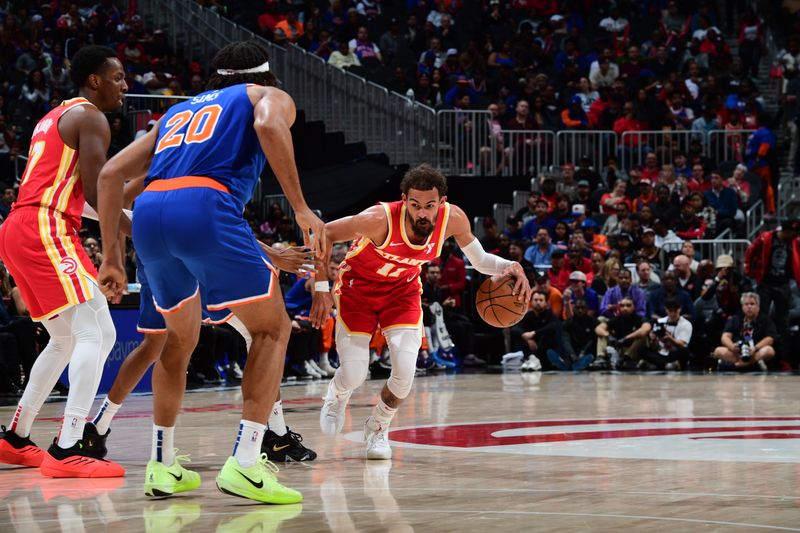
364,305
45,256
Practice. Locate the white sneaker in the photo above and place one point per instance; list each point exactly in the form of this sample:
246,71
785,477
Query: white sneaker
316,367
331,417
533,363
377,443
311,371
327,368
236,370
762,365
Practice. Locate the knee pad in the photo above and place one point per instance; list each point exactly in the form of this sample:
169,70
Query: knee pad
404,346
91,323
353,360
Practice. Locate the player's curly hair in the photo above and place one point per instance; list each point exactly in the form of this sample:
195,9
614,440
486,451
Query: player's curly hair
236,56
89,60
424,178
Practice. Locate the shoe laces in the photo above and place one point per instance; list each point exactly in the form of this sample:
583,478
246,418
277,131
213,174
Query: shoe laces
182,458
269,467
297,437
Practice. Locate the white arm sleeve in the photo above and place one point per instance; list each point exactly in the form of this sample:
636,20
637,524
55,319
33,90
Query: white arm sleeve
484,263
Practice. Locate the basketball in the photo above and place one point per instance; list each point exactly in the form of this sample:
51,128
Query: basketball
497,305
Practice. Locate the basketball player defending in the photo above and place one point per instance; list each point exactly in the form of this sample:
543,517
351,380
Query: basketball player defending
39,244
202,164
379,286
280,443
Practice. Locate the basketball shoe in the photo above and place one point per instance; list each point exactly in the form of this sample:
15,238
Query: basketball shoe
257,482
16,450
94,443
332,415
161,480
377,443
74,462
286,448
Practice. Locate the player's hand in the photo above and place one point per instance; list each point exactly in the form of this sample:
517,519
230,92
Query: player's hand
321,305
112,280
522,287
295,260
311,224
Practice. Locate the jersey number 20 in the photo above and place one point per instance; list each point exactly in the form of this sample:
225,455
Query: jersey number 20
201,127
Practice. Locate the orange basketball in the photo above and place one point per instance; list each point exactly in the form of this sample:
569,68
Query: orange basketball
496,304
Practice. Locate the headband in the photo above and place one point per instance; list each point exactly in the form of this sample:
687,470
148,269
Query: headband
264,67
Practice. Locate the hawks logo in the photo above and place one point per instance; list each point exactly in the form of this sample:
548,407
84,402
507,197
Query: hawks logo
68,265
761,439
429,247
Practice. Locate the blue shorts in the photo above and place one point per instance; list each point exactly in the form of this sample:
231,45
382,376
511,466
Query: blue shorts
196,236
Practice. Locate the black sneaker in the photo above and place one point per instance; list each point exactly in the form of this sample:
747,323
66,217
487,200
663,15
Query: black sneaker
94,443
286,448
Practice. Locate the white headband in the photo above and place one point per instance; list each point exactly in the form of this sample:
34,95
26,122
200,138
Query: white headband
264,67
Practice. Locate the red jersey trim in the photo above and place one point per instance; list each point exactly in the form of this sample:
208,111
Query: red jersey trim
388,210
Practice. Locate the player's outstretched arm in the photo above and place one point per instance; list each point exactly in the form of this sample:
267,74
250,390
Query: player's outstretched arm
294,259
485,263
132,163
274,114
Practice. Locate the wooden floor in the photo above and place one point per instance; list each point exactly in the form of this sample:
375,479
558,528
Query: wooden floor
552,452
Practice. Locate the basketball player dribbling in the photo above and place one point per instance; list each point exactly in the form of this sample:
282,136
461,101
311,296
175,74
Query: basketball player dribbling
39,244
379,286
202,163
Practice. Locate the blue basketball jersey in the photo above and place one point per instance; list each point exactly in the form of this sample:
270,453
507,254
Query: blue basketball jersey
211,135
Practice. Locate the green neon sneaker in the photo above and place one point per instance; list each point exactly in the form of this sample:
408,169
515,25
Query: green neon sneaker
255,483
161,481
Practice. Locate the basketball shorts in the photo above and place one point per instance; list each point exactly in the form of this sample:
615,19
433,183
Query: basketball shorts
363,305
189,232
45,256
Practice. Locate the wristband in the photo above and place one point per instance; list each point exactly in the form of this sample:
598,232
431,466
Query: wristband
322,286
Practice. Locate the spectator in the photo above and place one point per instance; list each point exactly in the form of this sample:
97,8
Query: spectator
645,279
724,201
391,40
579,291
772,260
540,220
670,338
558,273
434,52
751,41
344,57
605,74
555,298
540,252
536,333
748,338
611,200
363,48
689,225
454,274
291,27
686,277
649,251
670,288
610,306
579,340
626,333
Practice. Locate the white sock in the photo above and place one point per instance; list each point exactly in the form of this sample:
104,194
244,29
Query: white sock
247,449
276,423
23,420
382,414
71,428
163,449
104,415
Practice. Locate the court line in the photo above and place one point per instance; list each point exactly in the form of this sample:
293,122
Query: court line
403,512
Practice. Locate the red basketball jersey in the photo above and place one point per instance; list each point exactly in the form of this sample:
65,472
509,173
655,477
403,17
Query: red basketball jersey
52,178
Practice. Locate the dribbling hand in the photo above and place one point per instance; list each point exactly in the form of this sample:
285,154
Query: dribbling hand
295,260
522,287
112,280
311,224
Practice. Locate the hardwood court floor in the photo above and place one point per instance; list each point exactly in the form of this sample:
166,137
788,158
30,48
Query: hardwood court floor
552,452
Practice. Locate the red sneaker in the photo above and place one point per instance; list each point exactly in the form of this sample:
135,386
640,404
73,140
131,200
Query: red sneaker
16,450
73,462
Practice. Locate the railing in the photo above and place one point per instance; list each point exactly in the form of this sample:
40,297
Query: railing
463,144
635,145
727,145
597,145
501,213
713,248
528,152
788,192
754,220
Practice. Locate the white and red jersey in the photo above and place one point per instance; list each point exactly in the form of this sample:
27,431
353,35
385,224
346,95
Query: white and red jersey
396,259
52,178
379,284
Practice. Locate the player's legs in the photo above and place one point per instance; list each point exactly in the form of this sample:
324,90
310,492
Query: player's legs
353,351
404,344
280,443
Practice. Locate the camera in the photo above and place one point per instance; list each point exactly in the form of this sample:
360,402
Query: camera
746,348
659,330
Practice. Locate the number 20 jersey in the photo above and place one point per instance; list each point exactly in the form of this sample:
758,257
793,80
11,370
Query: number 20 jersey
204,137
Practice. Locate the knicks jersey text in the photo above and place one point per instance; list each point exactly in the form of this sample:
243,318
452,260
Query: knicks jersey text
39,241
380,284
204,137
